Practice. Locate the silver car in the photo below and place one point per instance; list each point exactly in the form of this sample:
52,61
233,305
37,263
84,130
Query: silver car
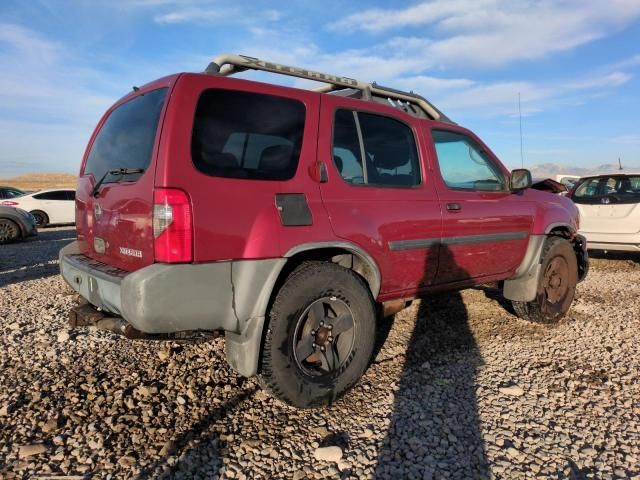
16,224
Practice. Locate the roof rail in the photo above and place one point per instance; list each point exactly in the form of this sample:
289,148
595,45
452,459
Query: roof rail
228,64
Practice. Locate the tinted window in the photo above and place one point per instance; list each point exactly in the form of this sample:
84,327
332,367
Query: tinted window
57,195
608,189
70,194
247,135
390,155
464,165
10,193
126,138
346,147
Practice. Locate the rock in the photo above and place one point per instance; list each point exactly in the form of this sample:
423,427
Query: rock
163,354
30,450
512,390
63,336
367,433
322,431
50,426
4,411
328,454
127,461
167,449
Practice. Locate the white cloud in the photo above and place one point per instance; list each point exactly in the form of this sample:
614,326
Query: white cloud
631,139
50,101
210,13
495,32
627,63
19,39
453,95
199,15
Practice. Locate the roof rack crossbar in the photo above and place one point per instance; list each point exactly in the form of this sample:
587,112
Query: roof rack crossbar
228,64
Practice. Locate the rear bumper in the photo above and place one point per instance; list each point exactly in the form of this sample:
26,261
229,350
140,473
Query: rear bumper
165,298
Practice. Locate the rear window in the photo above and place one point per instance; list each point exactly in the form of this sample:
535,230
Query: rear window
608,189
247,135
126,138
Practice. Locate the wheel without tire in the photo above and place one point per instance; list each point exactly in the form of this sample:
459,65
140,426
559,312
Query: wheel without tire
320,335
42,219
556,284
9,231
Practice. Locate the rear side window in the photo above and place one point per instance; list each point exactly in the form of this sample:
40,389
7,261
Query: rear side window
247,135
57,195
126,138
387,155
464,165
608,189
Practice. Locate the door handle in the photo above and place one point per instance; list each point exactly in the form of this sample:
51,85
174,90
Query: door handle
454,207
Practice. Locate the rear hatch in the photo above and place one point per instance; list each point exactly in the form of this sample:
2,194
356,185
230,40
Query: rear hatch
609,204
115,195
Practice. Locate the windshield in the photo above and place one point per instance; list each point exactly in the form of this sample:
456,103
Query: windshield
126,138
608,189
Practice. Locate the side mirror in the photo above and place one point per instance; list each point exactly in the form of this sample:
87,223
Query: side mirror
520,179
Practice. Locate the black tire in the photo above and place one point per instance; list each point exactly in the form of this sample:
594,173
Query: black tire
317,299
42,219
556,284
9,231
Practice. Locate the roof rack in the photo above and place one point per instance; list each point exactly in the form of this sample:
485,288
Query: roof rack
228,64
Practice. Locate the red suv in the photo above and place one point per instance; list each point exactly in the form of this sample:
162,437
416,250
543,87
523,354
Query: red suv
291,219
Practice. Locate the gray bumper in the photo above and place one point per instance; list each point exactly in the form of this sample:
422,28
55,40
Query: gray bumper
164,298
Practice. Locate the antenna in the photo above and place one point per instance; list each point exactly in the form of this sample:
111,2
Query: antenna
521,151
619,164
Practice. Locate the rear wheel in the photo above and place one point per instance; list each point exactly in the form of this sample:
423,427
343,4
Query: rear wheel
556,284
42,219
9,231
320,335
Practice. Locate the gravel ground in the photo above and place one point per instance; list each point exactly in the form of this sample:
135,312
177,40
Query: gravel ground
460,389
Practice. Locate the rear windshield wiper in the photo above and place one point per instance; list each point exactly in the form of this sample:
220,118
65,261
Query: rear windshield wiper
119,172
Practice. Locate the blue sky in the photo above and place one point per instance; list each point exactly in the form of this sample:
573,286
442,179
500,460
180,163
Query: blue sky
575,63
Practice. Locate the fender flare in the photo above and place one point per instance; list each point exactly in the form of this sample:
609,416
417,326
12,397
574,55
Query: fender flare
375,279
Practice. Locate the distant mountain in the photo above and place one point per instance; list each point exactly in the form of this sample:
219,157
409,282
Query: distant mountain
550,170
40,181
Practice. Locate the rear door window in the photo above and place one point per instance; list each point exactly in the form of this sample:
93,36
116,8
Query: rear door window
247,135
57,195
370,149
614,189
126,138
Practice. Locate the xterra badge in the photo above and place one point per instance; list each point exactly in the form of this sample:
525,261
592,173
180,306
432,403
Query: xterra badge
130,252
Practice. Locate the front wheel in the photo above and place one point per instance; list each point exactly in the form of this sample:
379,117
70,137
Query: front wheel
320,335
556,284
9,231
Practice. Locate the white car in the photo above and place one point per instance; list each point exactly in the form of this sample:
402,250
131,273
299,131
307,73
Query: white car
47,206
609,207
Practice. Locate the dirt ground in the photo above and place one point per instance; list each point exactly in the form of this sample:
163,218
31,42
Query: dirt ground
459,388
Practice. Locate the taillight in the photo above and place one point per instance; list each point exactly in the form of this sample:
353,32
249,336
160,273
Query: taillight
9,203
172,226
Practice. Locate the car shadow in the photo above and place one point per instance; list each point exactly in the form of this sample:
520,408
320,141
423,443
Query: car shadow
30,259
200,448
435,426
